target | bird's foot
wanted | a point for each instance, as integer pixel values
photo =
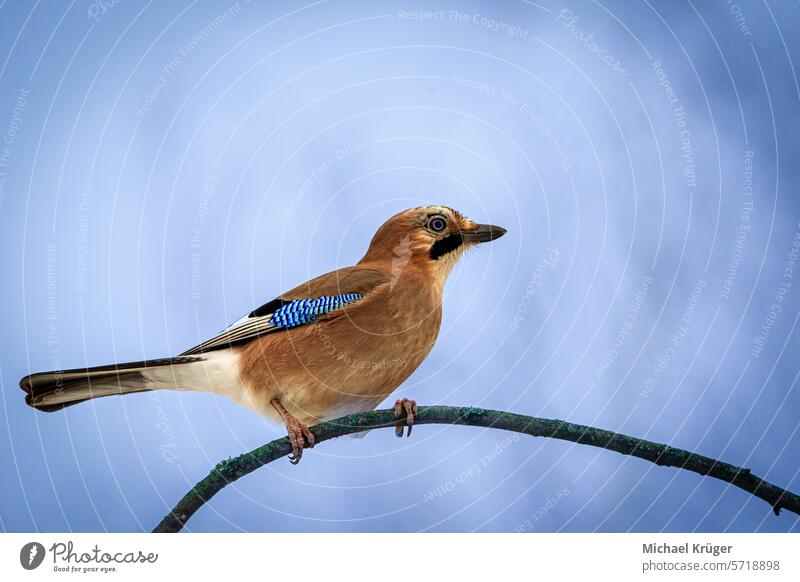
(407, 408)
(300, 437)
(298, 433)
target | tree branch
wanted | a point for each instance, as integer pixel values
(230, 470)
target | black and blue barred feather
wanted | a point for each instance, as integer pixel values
(302, 311)
(288, 315)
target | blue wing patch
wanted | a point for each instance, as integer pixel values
(291, 314)
(302, 311)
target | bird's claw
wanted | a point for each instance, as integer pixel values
(407, 408)
(299, 435)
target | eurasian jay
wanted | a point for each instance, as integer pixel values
(336, 345)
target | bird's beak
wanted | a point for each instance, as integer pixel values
(484, 233)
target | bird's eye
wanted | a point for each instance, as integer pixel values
(437, 224)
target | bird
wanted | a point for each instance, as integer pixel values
(338, 344)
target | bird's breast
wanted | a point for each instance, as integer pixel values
(344, 364)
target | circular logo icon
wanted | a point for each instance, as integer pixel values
(31, 555)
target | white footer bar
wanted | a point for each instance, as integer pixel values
(406, 557)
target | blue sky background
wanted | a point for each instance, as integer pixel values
(166, 167)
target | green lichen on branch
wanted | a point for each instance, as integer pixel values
(224, 469)
(232, 469)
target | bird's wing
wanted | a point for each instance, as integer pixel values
(318, 299)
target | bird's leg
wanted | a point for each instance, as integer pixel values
(298, 432)
(409, 409)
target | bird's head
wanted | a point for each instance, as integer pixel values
(430, 238)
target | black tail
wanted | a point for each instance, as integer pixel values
(50, 391)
